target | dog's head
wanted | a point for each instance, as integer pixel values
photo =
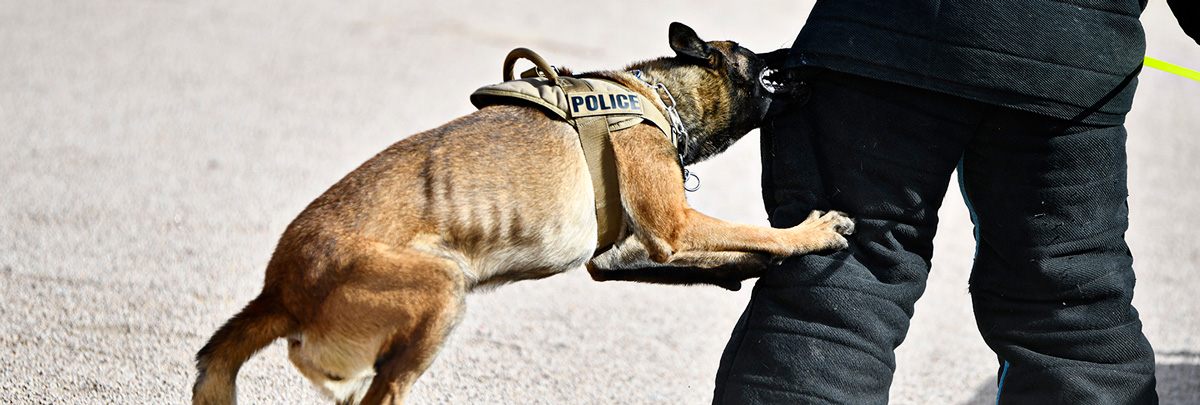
(723, 90)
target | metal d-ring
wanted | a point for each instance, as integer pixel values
(687, 174)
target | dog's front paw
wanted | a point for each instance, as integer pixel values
(825, 231)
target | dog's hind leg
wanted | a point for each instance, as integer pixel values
(408, 356)
(388, 319)
(730, 269)
(628, 260)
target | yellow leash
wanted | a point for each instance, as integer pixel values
(1172, 68)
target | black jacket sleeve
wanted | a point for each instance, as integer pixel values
(1188, 14)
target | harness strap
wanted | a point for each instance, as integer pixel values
(602, 163)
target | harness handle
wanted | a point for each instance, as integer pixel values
(525, 53)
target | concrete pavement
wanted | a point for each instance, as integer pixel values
(152, 152)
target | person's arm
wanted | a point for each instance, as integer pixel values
(1188, 14)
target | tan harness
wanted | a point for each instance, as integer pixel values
(595, 107)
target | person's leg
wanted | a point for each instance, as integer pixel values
(1053, 277)
(823, 327)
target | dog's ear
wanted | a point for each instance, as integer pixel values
(688, 45)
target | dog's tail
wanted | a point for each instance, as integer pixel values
(261, 322)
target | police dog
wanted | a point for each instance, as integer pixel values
(369, 280)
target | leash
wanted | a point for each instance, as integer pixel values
(1172, 68)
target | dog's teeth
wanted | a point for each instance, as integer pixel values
(770, 85)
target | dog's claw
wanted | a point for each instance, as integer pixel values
(845, 227)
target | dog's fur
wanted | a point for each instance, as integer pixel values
(369, 280)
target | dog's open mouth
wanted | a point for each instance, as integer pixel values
(777, 81)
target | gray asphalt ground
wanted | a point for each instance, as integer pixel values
(152, 152)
